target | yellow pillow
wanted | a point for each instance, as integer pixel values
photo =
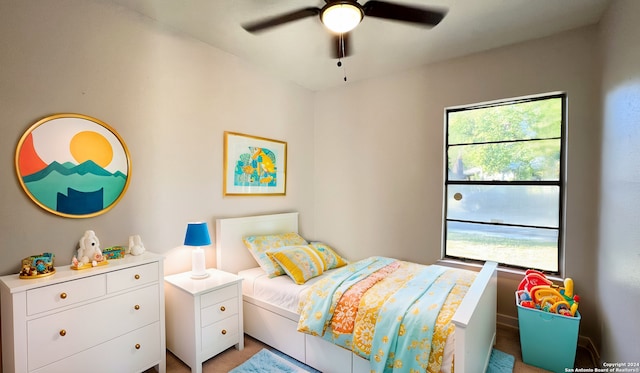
(299, 262)
(331, 258)
(258, 245)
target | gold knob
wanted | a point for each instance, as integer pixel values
(137, 277)
(63, 333)
(137, 346)
(222, 309)
(63, 295)
(224, 332)
(137, 307)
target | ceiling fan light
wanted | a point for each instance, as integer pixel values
(341, 18)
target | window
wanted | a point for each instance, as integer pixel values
(504, 182)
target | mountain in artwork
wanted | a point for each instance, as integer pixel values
(75, 189)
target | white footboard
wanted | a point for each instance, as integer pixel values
(475, 322)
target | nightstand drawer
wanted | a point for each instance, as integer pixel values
(65, 294)
(219, 295)
(132, 277)
(219, 336)
(219, 311)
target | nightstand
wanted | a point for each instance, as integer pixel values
(203, 316)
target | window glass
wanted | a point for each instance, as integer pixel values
(504, 182)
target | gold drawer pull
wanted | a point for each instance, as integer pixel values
(223, 332)
(222, 308)
(137, 346)
(63, 333)
(137, 307)
(63, 295)
(137, 276)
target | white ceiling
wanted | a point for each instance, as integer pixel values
(300, 51)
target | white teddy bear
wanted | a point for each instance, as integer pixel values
(135, 245)
(89, 251)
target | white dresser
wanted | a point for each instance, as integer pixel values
(204, 316)
(103, 319)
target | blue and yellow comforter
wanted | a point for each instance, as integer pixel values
(396, 314)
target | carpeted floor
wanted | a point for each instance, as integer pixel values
(508, 341)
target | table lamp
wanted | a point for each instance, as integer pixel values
(197, 236)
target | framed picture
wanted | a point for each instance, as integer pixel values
(254, 165)
(73, 165)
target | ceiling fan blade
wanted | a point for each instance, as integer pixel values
(405, 13)
(281, 19)
(340, 46)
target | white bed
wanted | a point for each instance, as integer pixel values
(276, 325)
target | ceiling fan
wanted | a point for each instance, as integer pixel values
(342, 16)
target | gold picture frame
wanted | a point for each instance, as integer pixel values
(73, 165)
(254, 165)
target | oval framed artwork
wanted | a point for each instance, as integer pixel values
(73, 165)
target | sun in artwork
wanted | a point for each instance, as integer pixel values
(90, 145)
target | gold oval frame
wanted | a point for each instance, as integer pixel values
(75, 121)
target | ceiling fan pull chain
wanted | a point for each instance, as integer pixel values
(344, 69)
(342, 54)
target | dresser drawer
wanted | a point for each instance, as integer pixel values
(220, 336)
(132, 277)
(65, 294)
(132, 352)
(63, 334)
(217, 296)
(219, 311)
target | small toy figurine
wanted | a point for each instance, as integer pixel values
(89, 250)
(135, 245)
(26, 270)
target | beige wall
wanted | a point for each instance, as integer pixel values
(170, 97)
(618, 253)
(379, 153)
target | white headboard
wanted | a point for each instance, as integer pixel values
(231, 253)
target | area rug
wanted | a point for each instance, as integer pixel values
(500, 362)
(265, 361)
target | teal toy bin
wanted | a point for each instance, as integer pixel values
(548, 340)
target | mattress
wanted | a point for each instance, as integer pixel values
(280, 290)
(283, 292)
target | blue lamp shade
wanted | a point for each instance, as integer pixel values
(197, 235)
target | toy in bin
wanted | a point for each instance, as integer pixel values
(536, 291)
